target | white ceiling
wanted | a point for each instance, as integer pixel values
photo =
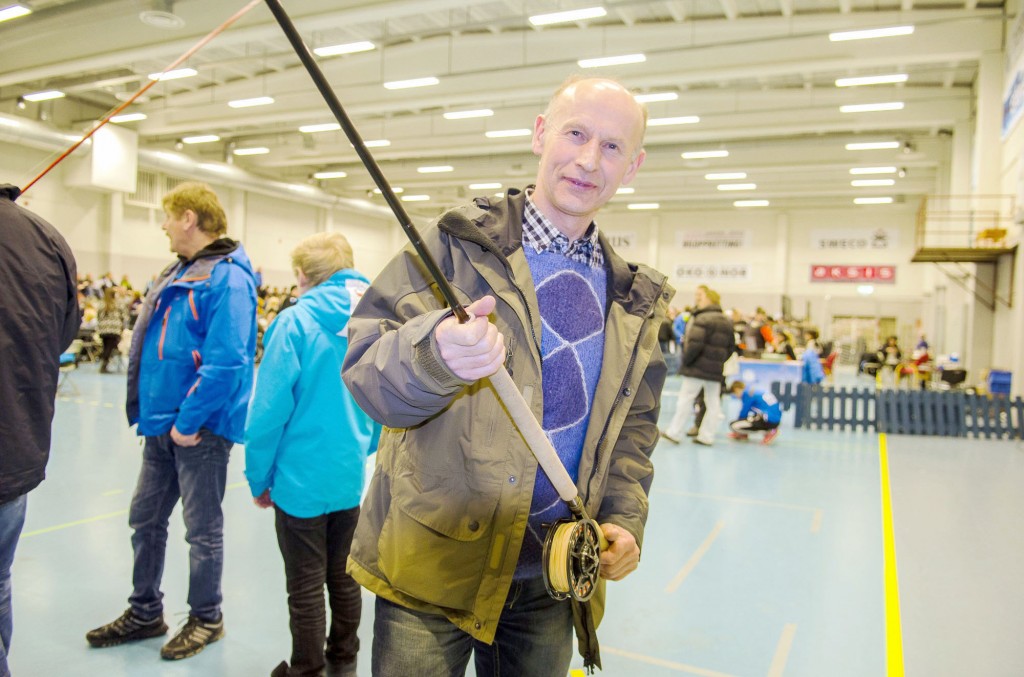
(760, 75)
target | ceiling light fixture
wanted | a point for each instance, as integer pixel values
(43, 96)
(201, 138)
(725, 176)
(873, 145)
(701, 154)
(394, 189)
(249, 103)
(251, 150)
(643, 205)
(414, 82)
(873, 170)
(347, 48)
(377, 143)
(321, 127)
(415, 198)
(872, 80)
(681, 120)
(128, 117)
(871, 107)
(737, 186)
(504, 133)
(436, 169)
(484, 186)
(175, 74)
(467, 114)
(625, 190)
(655, 97)
(565, 17)
(161, 15)
(750, 203)
(603, 61)
(13, 12)
(330, 175)
(865, 183)
(869, 33)
(872, 200)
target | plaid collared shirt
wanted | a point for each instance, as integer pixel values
(540, 234)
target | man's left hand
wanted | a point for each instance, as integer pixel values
(622, 556)
(184, 440)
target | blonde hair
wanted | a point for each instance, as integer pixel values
(321, 255)
(201, 199)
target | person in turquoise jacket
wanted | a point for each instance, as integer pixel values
(306, 442)
(811, 372)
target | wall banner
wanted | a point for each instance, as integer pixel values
(621, 240)
(861, 274)
(714, 239)
(855, 239)
(713, 272)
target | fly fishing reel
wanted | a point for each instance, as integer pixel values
(572, 558)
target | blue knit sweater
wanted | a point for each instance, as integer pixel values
(571, 296)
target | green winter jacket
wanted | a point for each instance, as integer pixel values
(446, 510)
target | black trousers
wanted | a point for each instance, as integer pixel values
(315, 550)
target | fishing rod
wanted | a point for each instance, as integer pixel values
(572, 548)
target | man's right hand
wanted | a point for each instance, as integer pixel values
(475, 349)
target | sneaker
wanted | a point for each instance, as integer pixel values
(697, 440)
(127, 628)
(742, 437)
(668, 437)
(770, 435)
(692, 432)
(192, 638)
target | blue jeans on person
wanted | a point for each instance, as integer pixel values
(534, 639)
(198, 476)
(12, 519)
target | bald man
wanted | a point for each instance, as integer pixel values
(450, 537)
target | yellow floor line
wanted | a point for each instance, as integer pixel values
(893, 629)
(694, 559)
(66, 525)
(782, 650)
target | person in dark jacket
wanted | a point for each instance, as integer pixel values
(38, 319)
(708, 344)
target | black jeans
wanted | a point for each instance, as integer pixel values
(315, 550)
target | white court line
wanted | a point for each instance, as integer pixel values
(817, 514)
(694, 559)
(782, 649)
(672, 665)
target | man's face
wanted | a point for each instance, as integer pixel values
(588, 146)
(176, 228)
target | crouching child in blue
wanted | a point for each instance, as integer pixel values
(760, 411)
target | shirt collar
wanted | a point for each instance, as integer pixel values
(542, 236)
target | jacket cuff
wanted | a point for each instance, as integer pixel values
(428, 356)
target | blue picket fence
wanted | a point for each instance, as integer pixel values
(903, 412)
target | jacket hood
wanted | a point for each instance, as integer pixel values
(219, 247)
(9, 192)
(331, 302)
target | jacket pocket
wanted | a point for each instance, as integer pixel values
(435, 541)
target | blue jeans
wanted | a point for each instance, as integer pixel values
(198, 476)
(12, 519)
(534, 638)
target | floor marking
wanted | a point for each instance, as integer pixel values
(235, 485)
(112, 492)
(679, 667)
(576, 672)
(694, 559)
(893, 629)
(778, 665)
(817, 514)
(66, 525)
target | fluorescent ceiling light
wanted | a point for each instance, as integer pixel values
(215, 167)
(750, 203)
(322, 127)
(700, 154)
(9, 123)
(249, 103)
(128, 117)
(409, 84)
(872, 80)
(611, 61)
(436, 169)
(330, 175)
(394, 189)
(656, 96)
(871, 107)
(347, 48)
(202, 138)
(376, 143)
(725, 176)
(869, 33)
(873, 170)
(864, 183)
(484, 186)
(44, 96)
(571, 15)
(643, 205)
(873, 145)
(466, 114)
(737, 186)
(625, 190)
(872, 200)
(503, 133)
(176, 74)
(865, 289)
(252, 150)
(13, 12)
(415, 198)
(682, 120)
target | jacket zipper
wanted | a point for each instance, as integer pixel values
(163, 333)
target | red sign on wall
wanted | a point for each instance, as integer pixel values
(834, 273)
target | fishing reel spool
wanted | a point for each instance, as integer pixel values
(572, 559)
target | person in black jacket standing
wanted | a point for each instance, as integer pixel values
(38, 319)
(708, 343)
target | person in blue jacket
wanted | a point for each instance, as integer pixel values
(759, 411)
(812, 371)
(190, 373)
(306, 442)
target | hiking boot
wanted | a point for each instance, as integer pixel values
(127, 628)
(770, 435)
(692, 432)
(192, 638)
